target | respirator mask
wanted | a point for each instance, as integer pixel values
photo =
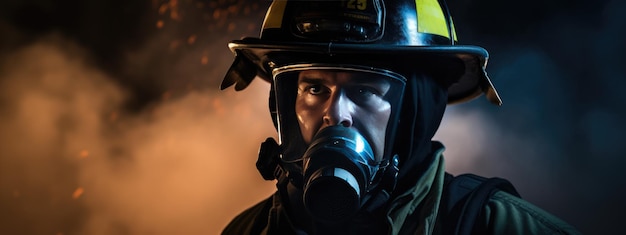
(337, 166)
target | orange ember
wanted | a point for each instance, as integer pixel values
(173, 3)
(174, 15)
(231, 27)
(83, 154)
(78, 192)
(162, 9)
(191, 39)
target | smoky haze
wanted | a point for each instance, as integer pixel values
(557, 137)
(111, 121)
(73, 162)
(82, 153)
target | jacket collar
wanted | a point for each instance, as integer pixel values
(422, 200)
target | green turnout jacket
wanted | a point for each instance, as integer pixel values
(503, 214)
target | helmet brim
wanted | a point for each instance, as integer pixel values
(471, 81)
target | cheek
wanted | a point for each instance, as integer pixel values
(383, 119)
(309, 118)
(376, 124)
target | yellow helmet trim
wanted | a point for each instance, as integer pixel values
(274, 15)
(430, 18)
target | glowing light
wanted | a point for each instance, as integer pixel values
(159, 24)
(83, 154)
(174, 15)
(192, 39)
(78, 192)
(162, 9)
(231, 27)
(359, 145)
(173, 3)
(411, 24)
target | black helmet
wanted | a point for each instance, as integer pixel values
(395, 35)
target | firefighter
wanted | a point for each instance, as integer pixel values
(358, 89)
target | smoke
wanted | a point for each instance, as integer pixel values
(114, 125)
(558, 135)
(74, 162)
(46, 121)
(191, 168)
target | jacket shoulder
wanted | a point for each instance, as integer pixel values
(508, 214)
(250, 221)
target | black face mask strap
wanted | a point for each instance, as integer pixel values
(376, 202)
(390, 174)
(272, 105)
(387, 176)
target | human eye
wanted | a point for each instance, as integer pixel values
(312, 88)
(364, 95)
(367, 87)
(368, 91)
(315, 89)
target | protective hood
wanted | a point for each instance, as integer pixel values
(423, 107)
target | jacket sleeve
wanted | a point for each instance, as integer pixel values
(507, 214)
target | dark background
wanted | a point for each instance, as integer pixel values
(556, 64)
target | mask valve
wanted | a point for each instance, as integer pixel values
(338, 168)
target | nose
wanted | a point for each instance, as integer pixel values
(339, 111)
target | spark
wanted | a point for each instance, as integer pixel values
(83, 154)
(192, 39)
(77, 193)
(162, 9)
(174, 15)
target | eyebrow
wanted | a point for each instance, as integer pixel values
(363, 80)
(369, 81)
(310, 80)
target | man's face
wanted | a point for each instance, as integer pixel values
(351, 99)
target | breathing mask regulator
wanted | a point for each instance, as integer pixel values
(338, 172)
(339, 169)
